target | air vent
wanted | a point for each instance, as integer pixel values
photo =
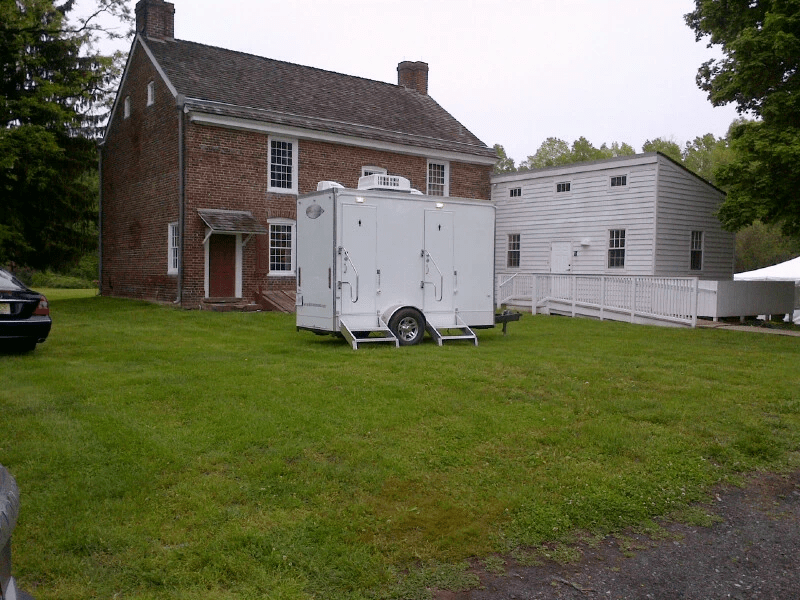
(384, 182)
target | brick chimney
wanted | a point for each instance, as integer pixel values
(413, 75)
(155, 19)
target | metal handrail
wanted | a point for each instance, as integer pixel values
(428, 258)
(346, 254)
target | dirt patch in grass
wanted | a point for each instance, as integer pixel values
(749, 550)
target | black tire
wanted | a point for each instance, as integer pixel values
(408, 325)
(27, 346)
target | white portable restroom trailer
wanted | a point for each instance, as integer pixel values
(379, 265)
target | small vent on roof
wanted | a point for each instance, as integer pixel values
(327, 185)
(378, 181)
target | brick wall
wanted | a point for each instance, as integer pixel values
(224, 169)
(140, 189)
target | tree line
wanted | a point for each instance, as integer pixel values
(57, 88)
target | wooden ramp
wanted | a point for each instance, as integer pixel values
(278, 300)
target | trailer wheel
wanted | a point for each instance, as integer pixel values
(408, 325)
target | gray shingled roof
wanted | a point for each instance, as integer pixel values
(235, 84)
(231, 221)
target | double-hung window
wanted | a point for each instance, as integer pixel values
(696, 253)
(616, 249)
(282, 165)
(173, 249)
(281, 246)
(514, 248)
(438, 178)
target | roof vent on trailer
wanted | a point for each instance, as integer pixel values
(377, 181)
(327, 185)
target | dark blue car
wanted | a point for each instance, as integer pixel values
(24, 315)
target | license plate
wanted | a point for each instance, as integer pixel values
(5, 308)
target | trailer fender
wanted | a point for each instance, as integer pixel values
(388, 313)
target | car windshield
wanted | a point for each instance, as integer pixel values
(9, 283)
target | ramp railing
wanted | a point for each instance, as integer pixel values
(665, 300)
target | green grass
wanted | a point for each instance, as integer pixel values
(162, 453)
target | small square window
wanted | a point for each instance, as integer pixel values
(514, 250)
(563, 187)
(515, 192)
(365, 171)
(151, 93)
(619, 181)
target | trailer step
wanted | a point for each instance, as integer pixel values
(465, 333)
(367, 335)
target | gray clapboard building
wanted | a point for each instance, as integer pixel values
(641, 215)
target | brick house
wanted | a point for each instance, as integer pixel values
(207, 149)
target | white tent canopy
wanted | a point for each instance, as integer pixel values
(785, 271)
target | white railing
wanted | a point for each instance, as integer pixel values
(514, 288)
(664, 300)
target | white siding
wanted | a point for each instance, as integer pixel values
(585, 214)
(686, 203)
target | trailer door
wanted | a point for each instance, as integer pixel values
(438, 274)
(358, 261)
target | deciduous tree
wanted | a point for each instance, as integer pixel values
(760, 43)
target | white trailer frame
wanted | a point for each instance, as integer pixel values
(385, 266)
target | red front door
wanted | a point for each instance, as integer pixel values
(222, 266)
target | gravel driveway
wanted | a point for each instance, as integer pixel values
(753, 551)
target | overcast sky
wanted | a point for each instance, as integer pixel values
(514, 72)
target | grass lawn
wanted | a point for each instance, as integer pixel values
(162, 453)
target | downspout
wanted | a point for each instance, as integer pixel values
(181, 99)
(100, 220)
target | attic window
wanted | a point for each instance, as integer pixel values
(126, 107)
(151, 93)
(365, 171)
(515, 192)
(619, 181)
(562, 187)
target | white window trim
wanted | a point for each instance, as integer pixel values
(293, 224)
(126, 107)
(518, 250)
(173, 261)
(624, 248)
(293, 142)
(701, 250)
(206, 248)
(561, 182)
(151, 93)
(370, 170)
(446, 164)
(617, 188)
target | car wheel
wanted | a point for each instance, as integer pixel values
(27, 346)
(408, 325)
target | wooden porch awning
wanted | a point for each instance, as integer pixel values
(231, 221)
